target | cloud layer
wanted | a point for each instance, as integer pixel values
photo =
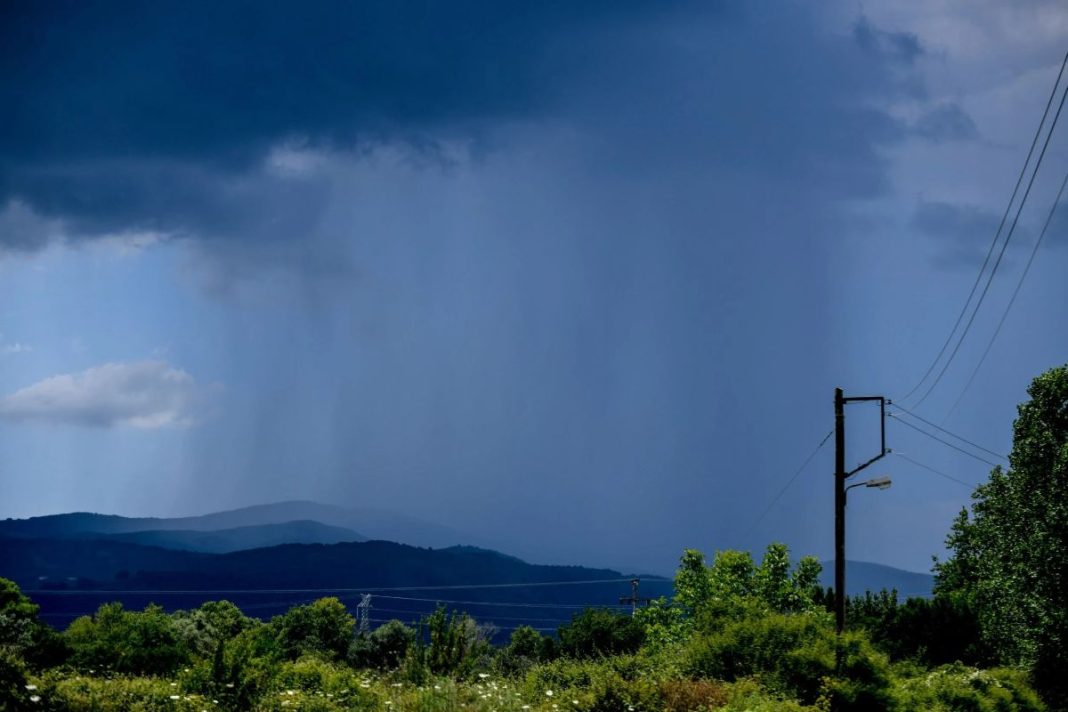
(143, 394)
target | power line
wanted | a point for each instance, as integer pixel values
(1015, 292)
(371, 589)
(789, 482)
(1001, 253)
(997, 234)
(945, 442)
(499, 627)
(487, 616)
(502, 604)
(947, 432)
(969, 485)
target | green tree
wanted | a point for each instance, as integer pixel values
(22, 634)
(384, 648)
(324, 627)
(204, 629)
(598, 632)
(1010, 553)
(141, 643)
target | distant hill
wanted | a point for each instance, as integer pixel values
(72, 577)
(116, 565)
(224, 541)
(864, 576)
(370, 523)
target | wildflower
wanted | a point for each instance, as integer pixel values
(35, 698)
(549, 693)
(31, 688)
(176, 697)
(483, 675)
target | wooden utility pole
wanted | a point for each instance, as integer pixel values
(840, 477)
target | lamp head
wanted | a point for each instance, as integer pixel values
(879, 483)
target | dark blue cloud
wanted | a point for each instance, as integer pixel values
(157, 117)
(106, 101)
(217, 80)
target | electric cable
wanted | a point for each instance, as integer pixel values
(1012, 300)
(997, 234)
(947, 432)
(944, 442)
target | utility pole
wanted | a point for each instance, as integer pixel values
(634, 599)
(840, 477)
(839, 510)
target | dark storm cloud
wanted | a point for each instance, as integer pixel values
(111, 108)
(159, 117)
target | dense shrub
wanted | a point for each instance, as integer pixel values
(384, 648)
(114, 694)
(13, 691)
(601, 685)
(795, 655)
(688, 695)
(447, 644)
(324, 627)
(596, 632)
(525, 648)
(138, 643)
(959, 688)
(23, 635)
(203, 629)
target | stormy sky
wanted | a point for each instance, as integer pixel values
(575, 278)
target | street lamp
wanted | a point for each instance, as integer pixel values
(875, 483)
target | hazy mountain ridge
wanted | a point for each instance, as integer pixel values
(864, 576)
(86, 550)
(367, 523)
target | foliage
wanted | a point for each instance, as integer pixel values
(794, 654)
(959, 687)
(597, 632)
(202, 630)
(22, 634)
(384, 648)
(143, 643)
(736, 637)
(446, 644)
(87, 693)
(525, 648)
(1010, 555)
(602, 684)
(12, 681)
(324, 627)
(687, 695)
(936, 631)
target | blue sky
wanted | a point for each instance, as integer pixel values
(578, 279)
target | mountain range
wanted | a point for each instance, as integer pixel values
(267, 558)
